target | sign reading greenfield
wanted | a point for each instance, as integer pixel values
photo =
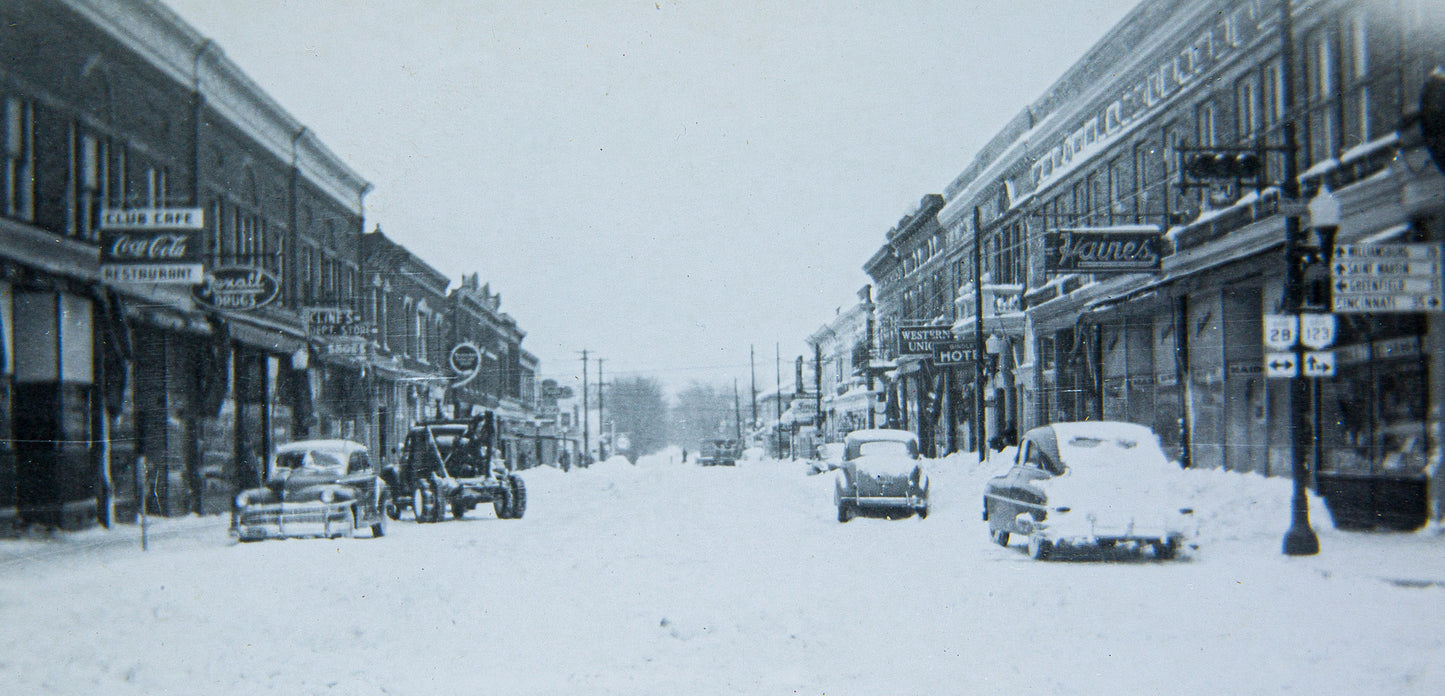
(1370, 278)
(1103, 250)
(919, 339)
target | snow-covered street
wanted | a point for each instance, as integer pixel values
(661, 578)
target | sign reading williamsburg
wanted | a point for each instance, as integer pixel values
(1103, 250)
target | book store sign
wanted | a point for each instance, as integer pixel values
(151, 245)
(240, 288)
(1104, 250)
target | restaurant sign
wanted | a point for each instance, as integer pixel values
(1104, 250)
(237, 288)
(151, 245)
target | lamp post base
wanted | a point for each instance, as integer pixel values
(1300, 540)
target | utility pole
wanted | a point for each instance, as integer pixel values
(586, 445)
(979, 428)
(818, 386)
(737, 415)
(601, 422)
(778, 386)
(753, 374)
(1300, 540)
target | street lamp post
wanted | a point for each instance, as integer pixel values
(1300, 540)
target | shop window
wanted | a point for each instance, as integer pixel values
(19, 159)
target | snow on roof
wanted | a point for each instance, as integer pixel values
(335, 445)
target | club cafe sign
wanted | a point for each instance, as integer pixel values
(237, 288)
(151, 245)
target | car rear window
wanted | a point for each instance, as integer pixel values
(884, 447)
(310, 459)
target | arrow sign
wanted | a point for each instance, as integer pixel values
(1368, 278)
(1319, 363)
(1280, 365)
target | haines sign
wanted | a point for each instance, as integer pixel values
(1104, 250)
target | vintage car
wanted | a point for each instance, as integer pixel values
(881, 475)
(719, 452)
(325, 488)
(827, 457)
(1094, 483)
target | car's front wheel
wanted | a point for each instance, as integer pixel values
(1040, 549)
(999, 536)
(1166, 550)
(845, 511)
(502, 505)
(385, 508)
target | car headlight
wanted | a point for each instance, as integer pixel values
(328, 496)
(242, 500)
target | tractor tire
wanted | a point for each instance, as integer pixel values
(519, 497)
(503, 505)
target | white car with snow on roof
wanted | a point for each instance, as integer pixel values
(1094, 483)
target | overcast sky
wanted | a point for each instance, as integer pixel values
(663, 183)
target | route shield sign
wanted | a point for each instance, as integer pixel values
(1317, 330)
(1280, 331)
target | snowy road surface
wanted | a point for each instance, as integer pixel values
(670, 579)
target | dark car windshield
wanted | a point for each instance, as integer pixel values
(311, 459)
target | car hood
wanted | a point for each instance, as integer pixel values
(886, 464)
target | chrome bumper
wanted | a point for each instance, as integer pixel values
(281, 520)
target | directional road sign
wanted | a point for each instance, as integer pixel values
(1368, 278)
(1280, 365)
(1319, 363)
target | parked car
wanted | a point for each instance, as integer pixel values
(325, 488)
(1089, 483)
(827, 457)
(881, 475)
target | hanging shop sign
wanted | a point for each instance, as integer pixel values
(919, 339)
(1104, 250)
(151, 245)
(954, 353)
(241, 288)
(465, 359)
(336, 322)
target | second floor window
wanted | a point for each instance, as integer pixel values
(19, 160)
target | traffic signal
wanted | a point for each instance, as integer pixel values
(1223, 165)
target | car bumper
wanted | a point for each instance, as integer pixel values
(911, 501)
(282, 520)
(1079, 530)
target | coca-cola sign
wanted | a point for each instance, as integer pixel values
(1104, 250)
(237, 288)
(139, 246)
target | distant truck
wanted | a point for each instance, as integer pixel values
(719, 452)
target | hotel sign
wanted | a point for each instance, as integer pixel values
(1104, 250)
(151, 245)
